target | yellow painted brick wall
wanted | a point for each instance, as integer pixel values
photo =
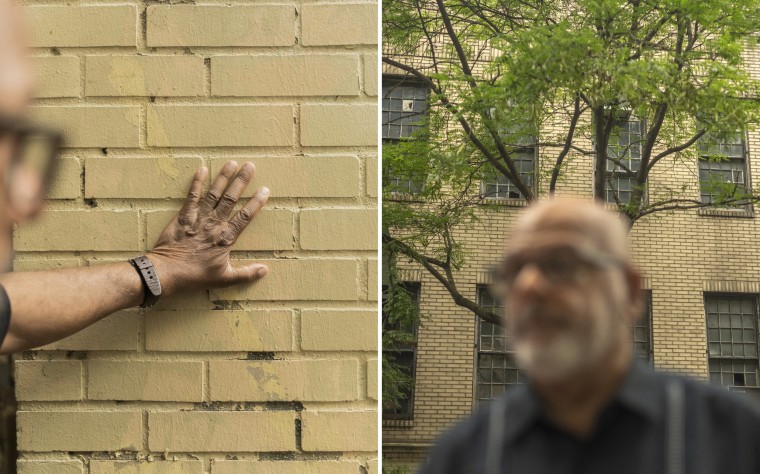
(278, 377)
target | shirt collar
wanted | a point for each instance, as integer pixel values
(640, 392)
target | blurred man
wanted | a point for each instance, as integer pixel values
(572, 295)
(192, 253)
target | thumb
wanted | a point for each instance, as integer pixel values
(248, 273)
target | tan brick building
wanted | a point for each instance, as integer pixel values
(701, 272)
(280, 376)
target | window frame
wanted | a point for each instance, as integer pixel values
(754, 299)
(521, 379)
(736, 208)
(627, 117)
(410, 186)
(408, 416)
(532, 149)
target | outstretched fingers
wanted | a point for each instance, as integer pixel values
(189, 212)
(217, 188)
(240, 221)
(235, 189)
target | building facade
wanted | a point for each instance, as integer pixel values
(701, 279)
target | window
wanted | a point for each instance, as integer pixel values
(501, 188)
(404, 355)
(624, 147)
(496, 369)
(722, 168)
(405, 109)
(732, 340)
(642, 332)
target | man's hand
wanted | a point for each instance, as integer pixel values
(193, 250)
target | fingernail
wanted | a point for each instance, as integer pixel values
(262, 272)
(265, 191)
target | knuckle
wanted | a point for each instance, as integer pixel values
(213, 194)
(183, 220)
(246, 214)
(244, 175)
(226, 238)
(229, 198)
(193, 194)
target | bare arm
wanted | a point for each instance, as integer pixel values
(192, 253)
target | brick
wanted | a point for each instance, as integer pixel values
(272, 229)
(370, 74)
(82, 26)
(79, 230)
(155, 467)
(48, 380)
(285, 75)
(162, 76)
(220, 125)
(184, 300)
(302, 279)
(339, 229)
(117, 332)
(284, 380)
(148, 178)
(216, 25)
(372, 368)
(284, 467)
(204, 331)
(372, 287)
(309, 176)
(148, 380)
(348, 430)
(57, 76)
(358, 24)
(49, 467)
(339, 125)
(44, 264)
(67, 181)
(79, 430)
(341, 330)
(371, 177)
(93, 126)
(372, 467)
(215, 431)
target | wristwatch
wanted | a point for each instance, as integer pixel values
(151, 285)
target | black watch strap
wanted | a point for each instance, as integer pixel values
(151, 285)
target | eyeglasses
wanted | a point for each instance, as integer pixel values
(558, 265)
(32, 163)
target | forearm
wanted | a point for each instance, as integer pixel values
(52, 304)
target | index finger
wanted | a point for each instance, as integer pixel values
(189, 212)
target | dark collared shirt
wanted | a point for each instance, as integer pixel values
(722, 434)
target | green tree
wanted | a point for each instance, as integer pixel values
(562, 77)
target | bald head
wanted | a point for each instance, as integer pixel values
(572, 222)
(16, 78)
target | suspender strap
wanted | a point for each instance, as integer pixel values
(675, 442)
(676, 428)
(495, 441)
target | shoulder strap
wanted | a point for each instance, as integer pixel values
(676, 429)
(495, 441)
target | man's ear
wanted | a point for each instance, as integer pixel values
(635, 294)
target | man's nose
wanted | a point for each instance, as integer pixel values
(531, 280)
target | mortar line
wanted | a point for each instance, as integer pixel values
(145, 431)
(205, 381)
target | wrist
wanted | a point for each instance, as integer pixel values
(164, 273)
